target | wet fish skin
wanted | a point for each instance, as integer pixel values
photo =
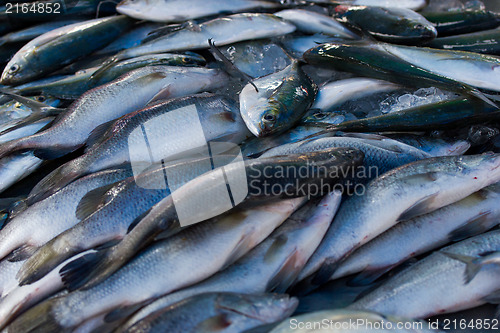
(223, 31)
(241, 311)
(8, 280)
(410, 4)
(179, 261)
(113, 100)
(162, 218)
(436, 285)
(411, 190)
(281, 256)
(280, 101)
(123, 143)
(312, 23)
(44, 220)
(462, 22)
(27, 34)
(61, 46)
(486, 42)
(389, 24)
(177, 11)
(17, 166)
(468, 217)
(435, 146)
(342, 318)
(407, 65)
(381, 154)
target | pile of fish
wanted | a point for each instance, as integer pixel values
(249, 166)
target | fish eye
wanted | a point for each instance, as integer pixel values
(269, 117)
(14, 68)
(419, 26)
(186, 61)
(41, 99)
(320, 115)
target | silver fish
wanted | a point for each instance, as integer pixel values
(17, 166)
(435, 284)
(403, 193)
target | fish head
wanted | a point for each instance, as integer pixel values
(16, 71)
(135, 8)
(485, 166)
(192, 59)
(267, 308)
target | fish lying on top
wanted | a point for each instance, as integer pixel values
(237, 312)
(176, 262)
(411, 190)
(269, 267)
(273, 103)
(320, 169)
(460, 71)
(457, 22)
(389, 24)
(128, 93)
(179, 11)
(62, 46)
(410, 4)
(435, 284)
(27, 34)
(186, 123)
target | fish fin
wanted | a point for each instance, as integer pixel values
(229, 66)
(325, 272)
(472, 267)
(286, 275)
(161, 95)
(108, 64)
(162, 31)
(39, 318)
(98, 135)
(478, 94)
(422, 206)
(92, 201)
(75, 274)
(240, 249)
(123, 311)
(493, 298)
(50, 184)
(17, 208)
(368, 276)
(477, 225)
(51, 153)
(22, 253)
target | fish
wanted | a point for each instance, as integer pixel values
(225, 30)
(474, 264)
(169, 11)
(436, 146)
(8, 281)
(410, 4)
(381, 154)
(173, 121)
(20, 111)
(21, 298)
(27, 34)
(271, 266)
(42, 221)
(449, 23)
(468, 217)
(277, 101)
(61, 46)
(486, 42)
(411, 190)
(311, 22)
(102, 104)
(236, 312)
(73, 86)
(434, 116)
(343, 320)
(436, 285)
(333, 94)
(320, 169)
(460, 71)
(176, 262)
(116, 202)
(389, 24)
(16, 167)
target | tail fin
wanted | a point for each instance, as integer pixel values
(37, 319)
(53, 182)
(39, 264)
(79, 272)
(472, 266)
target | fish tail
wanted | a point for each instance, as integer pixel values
(40, 318)
(84, 269)
(472, 266)
(10, 147)
(54, 181)
(40, 263)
